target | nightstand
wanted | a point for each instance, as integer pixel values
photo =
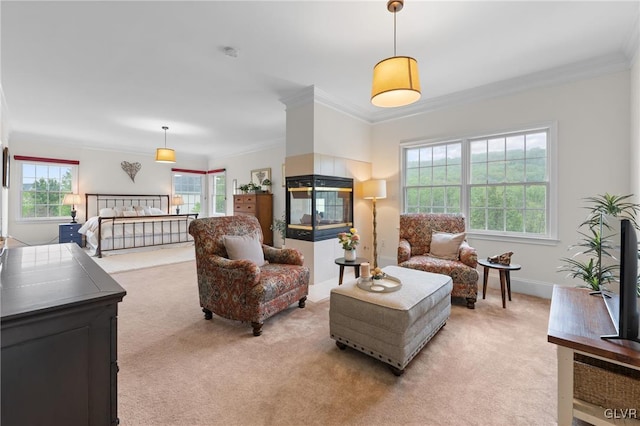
(68, 233)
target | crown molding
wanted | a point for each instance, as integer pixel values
(311, 94)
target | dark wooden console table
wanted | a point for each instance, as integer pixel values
(576, 322)
(59, 338)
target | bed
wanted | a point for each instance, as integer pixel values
(128, 221)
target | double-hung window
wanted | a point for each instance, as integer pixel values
(190, 187)
(502, 183)
(218, 185)
(43, 185)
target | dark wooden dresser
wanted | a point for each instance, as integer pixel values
(59, 338)
(260, 206)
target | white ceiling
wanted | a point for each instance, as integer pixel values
(111, 74)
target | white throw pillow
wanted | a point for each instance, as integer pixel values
(156, 211)
(244, 247)
(139, 210)
(107, 212)
(121, 209)
(127, 213)
(445, 245)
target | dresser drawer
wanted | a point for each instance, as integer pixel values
(245, 208)
(244, 199)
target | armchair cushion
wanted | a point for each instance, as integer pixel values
(445, 245)
(246, 247)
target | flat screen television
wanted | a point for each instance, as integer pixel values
(620, 295)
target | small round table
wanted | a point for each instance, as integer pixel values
(355, 263)
(505, 277)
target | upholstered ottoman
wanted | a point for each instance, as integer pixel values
(391, 327)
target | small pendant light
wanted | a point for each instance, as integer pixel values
(165, 155)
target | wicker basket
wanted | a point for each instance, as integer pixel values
(605, 384)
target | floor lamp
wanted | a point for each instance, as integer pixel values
(373, 190)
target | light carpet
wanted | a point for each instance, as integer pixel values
(129, 260)
(488, 366)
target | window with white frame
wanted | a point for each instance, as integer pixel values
(501, 183)
(190, 187)
(218, 183)
(43, 185)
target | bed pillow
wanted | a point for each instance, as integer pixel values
(244, 247)
(121, 209)
(445, 245)
(107, 212)
(127, 213)
(139, 210)
(156, 211)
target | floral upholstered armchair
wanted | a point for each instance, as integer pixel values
(415, 250)
(258, 284)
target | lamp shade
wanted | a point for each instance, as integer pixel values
(71, 199)
(176, 200)
(396, 82)
(374, 189)
(165, 155)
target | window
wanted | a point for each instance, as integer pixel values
(501, 183)
(43, 187)
(218, 192)
(189, 185)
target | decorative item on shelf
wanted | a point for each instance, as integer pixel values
(165, 155)
(349, 241)
(177, 201)
(266, 184)
(249, 187)
(502, 259)
(396, 81)
(374, 190)
(72, 200)
(280, 226)
(131, 169)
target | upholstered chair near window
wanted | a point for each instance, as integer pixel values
(240, 278)
(436, 243)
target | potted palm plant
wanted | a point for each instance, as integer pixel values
(589, 262)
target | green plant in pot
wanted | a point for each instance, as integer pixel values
(249, 187)
(266, 184)
(589, 263)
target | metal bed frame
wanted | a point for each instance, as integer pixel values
(160, 201)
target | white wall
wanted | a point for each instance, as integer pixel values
(593, 118)
(239, 168)
(99, 172)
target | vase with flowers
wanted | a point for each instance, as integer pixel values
(349, 241)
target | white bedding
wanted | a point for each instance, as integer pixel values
(129, 232)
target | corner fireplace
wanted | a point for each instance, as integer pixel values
(318, 207)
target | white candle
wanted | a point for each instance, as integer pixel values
(365, 270)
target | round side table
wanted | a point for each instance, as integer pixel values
(355, 263)
(505, 277)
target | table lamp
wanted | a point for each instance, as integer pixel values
(177, 201)
(373, 190)
(72, 200)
